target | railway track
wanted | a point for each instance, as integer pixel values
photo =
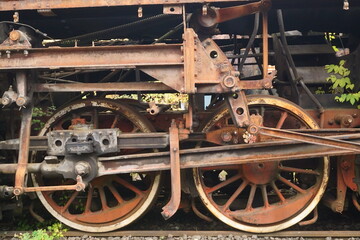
(198, 235)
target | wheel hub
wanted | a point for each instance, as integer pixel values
(260, 173)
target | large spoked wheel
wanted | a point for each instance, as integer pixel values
(267, 196)
(109, 202)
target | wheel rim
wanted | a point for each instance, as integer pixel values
(264, 197)
(109, 202)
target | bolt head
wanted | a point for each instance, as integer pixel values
(229, 81)
(5, 101)
(14, 35)
(21, 101)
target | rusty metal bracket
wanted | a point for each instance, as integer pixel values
(337, 204)
(214, 15)
(23, 150)
(172, 206)
(238, 109)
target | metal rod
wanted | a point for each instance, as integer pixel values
(250, 42)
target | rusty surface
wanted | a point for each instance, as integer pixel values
(172, 206)
(78, 186)
(265, 44)
(238, 109)
(226, 14)
(255, 196)
(218, 156)
(312, 220)
(179, 66)
(108, 202)
(94, 57)
(189, 49)
(307, 138)
(23, 156)
(347, 170)
(332, 116)
(11, 5)
(102, 87)
(336, 203)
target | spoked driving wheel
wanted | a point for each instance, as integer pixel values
(266, 196)
(109, 202)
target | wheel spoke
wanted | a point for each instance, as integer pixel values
(128, 185)
(282, 119)
(264, 196)
(277, 191)
(103, 198)
(116, 194)
(116, 120)
(70, 201)
(290, 184)
(89, 199)
(224, 183)
(251, 197)
(299, 170)
(135, 129)
(235, 195)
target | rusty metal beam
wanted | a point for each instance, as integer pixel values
(209, 156)
(12, 5)
(109, 57)
(102, 87)
(222, 155)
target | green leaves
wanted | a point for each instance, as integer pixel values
(340, 81)
(52, 232)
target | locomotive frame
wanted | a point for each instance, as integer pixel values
(197, 65)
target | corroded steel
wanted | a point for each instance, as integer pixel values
(11, 5)
(105, 205)
(172, 206)
(23, 150)
(255, 196)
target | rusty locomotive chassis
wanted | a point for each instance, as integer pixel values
(300, 144)
(177, 67)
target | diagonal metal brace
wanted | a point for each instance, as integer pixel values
(311, 139)
(172, 206)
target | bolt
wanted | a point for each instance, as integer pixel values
(79, 187)
(82, 168)
(354, 115)
(5, 101)
(229, 81)
(174, 149)
(26, 53)
(331, 122)
(339, 208)
(226, 136)
(348, 120)
(345, 164)
(14, 35)
(21, 101)
(8, 53)
(253, 129)
(18, 191)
